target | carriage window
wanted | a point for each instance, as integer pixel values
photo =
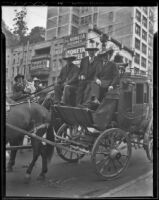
(139, 93)
(128, 101)
(146, 93)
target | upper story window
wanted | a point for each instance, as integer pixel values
(52, 23)
(75, 20)
(95, 18)
(138, 15)
(144, 21)
(151, 16)
(144, 48)
(52, 12)
(150, 28)
(110, 29)
(143, 62)
(145, 9)
(137, 58)
(144, 35)
(137, 43)
(86, 20)
(74, 30)
(137, 29)
(150, 40)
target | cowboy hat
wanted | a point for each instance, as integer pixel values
(18, 76)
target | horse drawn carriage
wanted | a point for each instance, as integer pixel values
(110, 148)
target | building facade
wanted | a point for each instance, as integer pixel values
(132, 26)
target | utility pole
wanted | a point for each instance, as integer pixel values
(26, 67)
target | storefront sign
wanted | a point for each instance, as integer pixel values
(79, 52)
(75, 40)
(40, 64)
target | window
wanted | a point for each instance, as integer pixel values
(144, 21)
(76, 10)
(86, 20)
(111, 16)
(137, 29)
(136, 70)
(52, 23)
(144, 48)
(149, 53)
(143, 62)
(52, 12)
(137, 58)
(139, 93)
(63, 10)
(145, 9)
(63, 31)
(74, 30)
(75, 19)
(85, 10)
(138, 15)
(150, 40)
(110, 29)
(146, 93)
(64, 19)
(95, 18)
(151, 17)
(137, 43)
(150, 28)
(144, 35)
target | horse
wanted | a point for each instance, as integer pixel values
(27, 115)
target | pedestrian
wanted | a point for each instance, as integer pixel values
(86, 73)
(67, 81)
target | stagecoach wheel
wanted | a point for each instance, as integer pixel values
(65, 132)
(149, 145)
(111, 153)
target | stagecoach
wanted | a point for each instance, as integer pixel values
(110, 149)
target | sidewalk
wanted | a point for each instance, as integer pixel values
(142, 186)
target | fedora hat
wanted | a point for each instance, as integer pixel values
(92, 46)
(18, 76)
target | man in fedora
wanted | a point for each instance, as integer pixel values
(67, 81)
(86, 74)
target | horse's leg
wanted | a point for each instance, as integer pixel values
(11, 161)
(44, 163)
(36, 153)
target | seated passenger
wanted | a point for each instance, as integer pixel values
(106, 78)
(86, 74)
(67, 81)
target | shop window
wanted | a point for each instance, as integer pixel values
(139, 93)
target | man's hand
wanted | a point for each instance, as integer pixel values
(110, 88)
(98, 81)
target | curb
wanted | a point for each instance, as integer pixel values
(111, 192)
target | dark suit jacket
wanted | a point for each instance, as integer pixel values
(108, 72)
(87, 69)
(68, 74)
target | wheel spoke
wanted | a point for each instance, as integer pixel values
(114, 165)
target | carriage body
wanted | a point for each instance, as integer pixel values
(133, 128)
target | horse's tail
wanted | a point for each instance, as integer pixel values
(50, 148)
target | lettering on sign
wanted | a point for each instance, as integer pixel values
(73, 40)
(79, 52)
(40, 64)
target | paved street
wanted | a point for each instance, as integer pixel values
(78, 180)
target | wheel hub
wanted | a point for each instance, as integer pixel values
(115, 154)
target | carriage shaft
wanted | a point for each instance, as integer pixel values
(18, 147)
(32, 135)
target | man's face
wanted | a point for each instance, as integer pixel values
(91, 53)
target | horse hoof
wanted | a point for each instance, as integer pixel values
(27, 178)
(41, 178)
(9, 169)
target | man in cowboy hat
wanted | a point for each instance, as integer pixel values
(86, 74)
(18, 87)
(67, 80)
